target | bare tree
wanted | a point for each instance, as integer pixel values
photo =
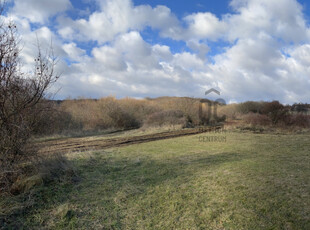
(20, 94)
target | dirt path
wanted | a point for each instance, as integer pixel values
(84, 144)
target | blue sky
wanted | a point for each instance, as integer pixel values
(247, 49)
(184, 7)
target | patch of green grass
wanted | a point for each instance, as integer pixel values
(251, 181)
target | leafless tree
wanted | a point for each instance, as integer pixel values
(20, 94)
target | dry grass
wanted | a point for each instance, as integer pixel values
(34, 176)
(251, 181)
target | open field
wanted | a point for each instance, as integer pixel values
(251, 181)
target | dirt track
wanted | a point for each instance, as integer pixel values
(83, 144)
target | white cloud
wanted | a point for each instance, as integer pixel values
(162, 53)
(200, 48)
(39, 10)
(204, 25)
(254, 67)
(109, 58)
(130, 66)
(74, 52)
(267, 54)
(257, 70)
(301, 54)
(136, 51)
(283, 19)
(188, 61)
(116, 17)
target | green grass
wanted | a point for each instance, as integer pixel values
(251, 181)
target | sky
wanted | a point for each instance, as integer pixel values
(246, 49)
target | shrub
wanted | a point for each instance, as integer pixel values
(250, 107)
(139, 109)
(231, 111)
(114, 116)
(167, 117)
(300, 108)
(85, 112)
(189, 106)
(256, 119)
(275, 111)
(221, 118)
(122, 119)
(55, 120)
(298, 120)
(21, 98)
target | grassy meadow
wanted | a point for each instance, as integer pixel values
(249, 181)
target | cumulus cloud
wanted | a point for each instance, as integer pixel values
(200, 48)
(283, 19)
(39, 10)
(130, 66)
(265, 55)
(204, 25)
(116, 17)
(261, 62)
(74, 52)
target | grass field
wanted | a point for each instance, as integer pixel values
(251, 181)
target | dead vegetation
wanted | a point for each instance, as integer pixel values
(23, 105)
(75, 117)
(109, 113)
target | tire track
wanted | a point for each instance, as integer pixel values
(82, 144)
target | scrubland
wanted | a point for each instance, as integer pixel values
(257, 177)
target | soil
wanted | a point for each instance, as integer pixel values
(85, 144)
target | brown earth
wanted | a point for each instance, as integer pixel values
(84, 144)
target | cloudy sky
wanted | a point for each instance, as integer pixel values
(247, 49)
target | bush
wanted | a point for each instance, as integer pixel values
(122, 119)
(298, 120)
(275, 111)
(85, 112)
(116, 117)
(231, 111)
(189, 106)
(256, 119)
(250, 107)
(167, 117)
(139, 109)
(55, 121)
(300, 108)
(21, 98)
(221, 118)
